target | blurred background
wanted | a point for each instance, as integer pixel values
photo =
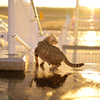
(75, 23)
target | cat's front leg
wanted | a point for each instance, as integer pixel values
(36, 59)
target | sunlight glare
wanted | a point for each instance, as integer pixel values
(55, 3)
(24, 58)
(46, 3)
(49, 93)
(85, 93)
(90, 43)
(59, 3)
(90, 3)
(91, 36)
(0, 25)
(90, 75)
(90, 39)
(91, 27)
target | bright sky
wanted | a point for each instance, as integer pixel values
(60, 3)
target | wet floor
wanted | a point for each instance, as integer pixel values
(67, 84)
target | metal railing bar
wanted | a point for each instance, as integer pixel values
(36, 17)
(17, 38)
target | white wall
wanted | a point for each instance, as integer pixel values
(26, 30)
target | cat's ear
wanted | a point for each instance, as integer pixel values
(51, 35)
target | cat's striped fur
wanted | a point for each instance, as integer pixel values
(51, 54)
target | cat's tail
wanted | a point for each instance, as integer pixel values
(72, 64)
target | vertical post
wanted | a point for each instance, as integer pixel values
(11, 28)
(92, 11)
(76, 23)
(76, 33)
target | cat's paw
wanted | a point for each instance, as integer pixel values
(51, 69)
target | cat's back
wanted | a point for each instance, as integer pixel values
(47, 48)
(50, 52)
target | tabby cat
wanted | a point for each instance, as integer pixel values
(51, 54)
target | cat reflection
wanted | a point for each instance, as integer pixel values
(52, 81)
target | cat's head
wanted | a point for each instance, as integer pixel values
(51, 39)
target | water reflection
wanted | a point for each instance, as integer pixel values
(9, 81)
(53, 80)
(12, 75)
(49, 86)
(21, 85)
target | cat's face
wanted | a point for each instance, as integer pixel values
(51, 40)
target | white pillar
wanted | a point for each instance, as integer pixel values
(11, 28)
(76, 33)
